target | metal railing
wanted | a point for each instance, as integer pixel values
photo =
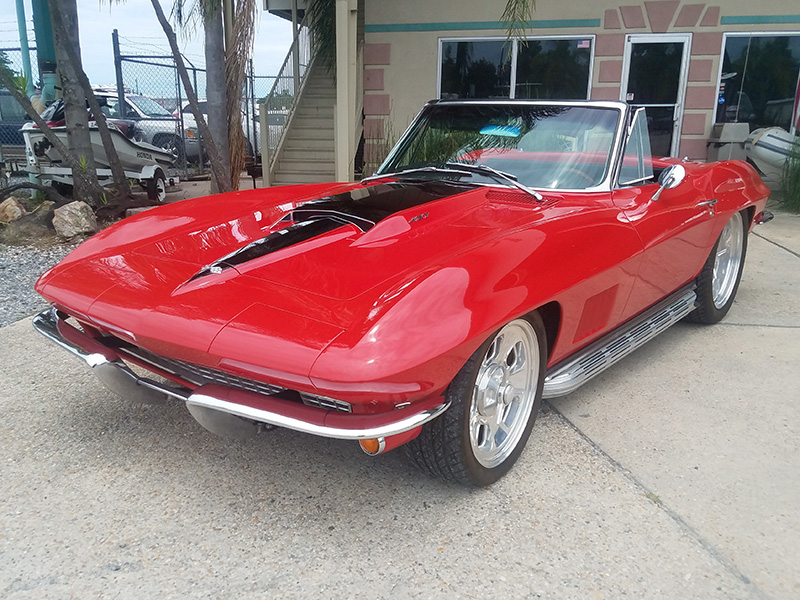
(278, 108)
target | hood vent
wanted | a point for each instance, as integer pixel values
(283, 238)
(363, 207)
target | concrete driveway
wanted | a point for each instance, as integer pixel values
(676, 474)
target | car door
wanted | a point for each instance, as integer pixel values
(675, 228)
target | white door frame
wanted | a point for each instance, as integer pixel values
(683, 77)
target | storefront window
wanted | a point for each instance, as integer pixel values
(480, 69)
(553, 69)
(759, 80)
(546, 68)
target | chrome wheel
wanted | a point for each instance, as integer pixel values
(504, 393)
(727, 261)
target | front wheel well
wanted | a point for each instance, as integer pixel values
(750, 213)
(551, 317)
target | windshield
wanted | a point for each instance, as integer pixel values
(148, 106)
(542, 146)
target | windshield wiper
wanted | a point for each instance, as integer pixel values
(426, 169)
(496, 175)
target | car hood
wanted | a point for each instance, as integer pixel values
(297, 264)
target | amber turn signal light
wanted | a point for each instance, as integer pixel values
(372, 446)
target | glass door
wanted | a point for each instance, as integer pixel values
(654, 78)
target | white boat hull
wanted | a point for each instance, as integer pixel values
(134, 156)
(768, 149)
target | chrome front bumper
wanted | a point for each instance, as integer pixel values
(109, 367)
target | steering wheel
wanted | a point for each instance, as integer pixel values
(575, 173)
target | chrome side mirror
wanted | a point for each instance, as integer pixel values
(670, 177)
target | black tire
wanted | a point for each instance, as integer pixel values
(446, 447)
(65, 189)
(172, 144)
(714, 303)
(157, 187)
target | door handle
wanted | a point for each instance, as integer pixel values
(709, 204)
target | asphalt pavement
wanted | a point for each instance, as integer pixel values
(674, 475)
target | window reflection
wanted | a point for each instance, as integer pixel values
(547, 69)
(759, 79)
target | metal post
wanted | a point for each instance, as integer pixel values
(200, 138)
(118, 70)
(185, 166)
(252, 107)
(295, 50)
(23, 46)
(263, 118)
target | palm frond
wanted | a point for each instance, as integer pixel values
(321, 19)
(517, 16)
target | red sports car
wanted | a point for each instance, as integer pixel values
(504, 252)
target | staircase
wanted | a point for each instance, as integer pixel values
(307, 152)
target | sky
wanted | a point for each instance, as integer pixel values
(141, 33)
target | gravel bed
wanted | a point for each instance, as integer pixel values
(20, 266)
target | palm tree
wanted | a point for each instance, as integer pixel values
(70, 50)
(227, 165)
(214, 156)
(74, 100)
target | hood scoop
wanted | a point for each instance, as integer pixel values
(278, 240)
(361, 207)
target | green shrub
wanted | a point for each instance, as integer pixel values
(791, 179)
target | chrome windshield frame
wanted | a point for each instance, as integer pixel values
(615, 152)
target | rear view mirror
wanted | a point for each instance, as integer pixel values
(670, 177)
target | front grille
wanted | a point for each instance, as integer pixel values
(204, 375)
(326, 403)
(208, 375)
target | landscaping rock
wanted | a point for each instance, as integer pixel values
(31, 228)
(73, 219)
(11, 209)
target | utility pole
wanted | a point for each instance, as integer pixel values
(26, 52)
(45, 49)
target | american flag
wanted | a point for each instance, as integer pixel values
(585, 44)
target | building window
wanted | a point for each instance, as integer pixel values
(541, 68)
(759, 79)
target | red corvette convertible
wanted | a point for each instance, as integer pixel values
(504, 252)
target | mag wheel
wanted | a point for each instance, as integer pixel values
(495, 399)
(172, 144)
(719, 280)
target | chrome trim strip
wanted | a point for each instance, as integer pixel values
(46, 324)
(567, 377)
(355, 433)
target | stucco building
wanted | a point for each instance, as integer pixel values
(691, 65)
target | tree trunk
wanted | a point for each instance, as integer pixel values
(216, 95)
(67, 156)
(120, 180)
(214, 156)
(236, 58)
(74, 99)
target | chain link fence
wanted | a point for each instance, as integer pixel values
(153, 80)
(150, 96)
(12, 115)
